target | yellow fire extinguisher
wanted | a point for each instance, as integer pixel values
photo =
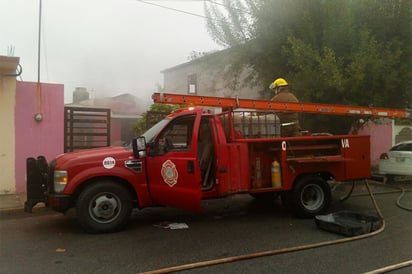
(276, 180)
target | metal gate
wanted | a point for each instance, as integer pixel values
(86, 128)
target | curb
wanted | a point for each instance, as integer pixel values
(15, 203)
(19, 211)
(12, 201)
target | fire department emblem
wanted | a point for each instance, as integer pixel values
(169, 173)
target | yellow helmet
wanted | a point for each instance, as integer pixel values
(280, 82)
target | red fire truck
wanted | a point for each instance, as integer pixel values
(194, 154)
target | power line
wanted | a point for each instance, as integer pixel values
(227, 7)
(168, 8)
(149, 2)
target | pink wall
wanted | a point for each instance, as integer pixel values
(37, 138)
(381, 138)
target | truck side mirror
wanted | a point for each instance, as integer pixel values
(139, 146)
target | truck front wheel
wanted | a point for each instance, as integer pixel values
(310, 196)
(104, 206)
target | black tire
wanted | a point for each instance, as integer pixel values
(310, 196)
(104, 206)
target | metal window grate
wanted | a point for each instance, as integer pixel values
(86, 128)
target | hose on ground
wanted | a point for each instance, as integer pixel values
(276, 251)
(398, 200)
(390, 267)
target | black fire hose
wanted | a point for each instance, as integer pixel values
(277, 251)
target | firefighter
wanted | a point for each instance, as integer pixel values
(289, 120)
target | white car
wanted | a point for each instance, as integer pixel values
(397, 161)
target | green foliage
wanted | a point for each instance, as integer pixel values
(234, 24)
(141, 125)
(340, 52)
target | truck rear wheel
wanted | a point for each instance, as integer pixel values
(104, 207)
(310, 196)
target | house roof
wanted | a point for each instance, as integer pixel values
(122, 106)
(194, 61)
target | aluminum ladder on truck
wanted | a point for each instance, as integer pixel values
(331, 109)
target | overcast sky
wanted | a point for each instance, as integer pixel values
(108, 46)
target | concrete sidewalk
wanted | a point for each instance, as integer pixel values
(12, 202)
(13, 205)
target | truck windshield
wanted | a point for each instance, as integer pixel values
(153, 131)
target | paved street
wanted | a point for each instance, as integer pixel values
(48, 242)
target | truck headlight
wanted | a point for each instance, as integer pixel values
(59, 180)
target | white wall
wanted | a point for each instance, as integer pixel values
(210, 79)
(8, 67)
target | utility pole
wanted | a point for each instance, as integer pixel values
(39, 115)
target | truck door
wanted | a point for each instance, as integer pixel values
(174, 177)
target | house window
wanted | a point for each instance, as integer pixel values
(192, 84)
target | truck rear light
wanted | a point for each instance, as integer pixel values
(384, 156)
(59, 180)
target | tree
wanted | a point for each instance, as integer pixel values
(233, 24)
(156, 113)
(347, 52)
